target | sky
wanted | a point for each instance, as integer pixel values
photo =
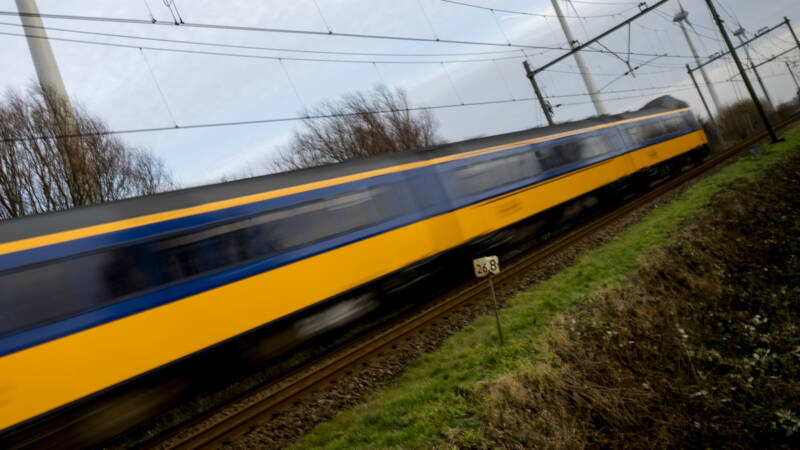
(132, 88)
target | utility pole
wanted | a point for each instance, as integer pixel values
(746, 80)
(791, 30)
(705, 105)
(794, 78)
(587, 78)
(41, 52)
(548, 110)
(740, 34)
(797, 42)
(531, 74)
(680, 17)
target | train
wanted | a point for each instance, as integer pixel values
(98, 301)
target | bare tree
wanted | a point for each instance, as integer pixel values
(53, 159)
(356, 126)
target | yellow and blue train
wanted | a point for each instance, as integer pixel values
(94, 299)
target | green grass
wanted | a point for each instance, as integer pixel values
(431, 400)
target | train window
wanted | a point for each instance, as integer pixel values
(530, 164)
(37, 295)
(691, 120)
(656, 129)
(475, 178)
(653, 130)
(512, 169)
(352, 210)
(551, 157)
(569, 152)
(674, 124)
(299, 225)
(646, 131)
(636, 133)
(499, 170)
(392, 200)
(592, 146)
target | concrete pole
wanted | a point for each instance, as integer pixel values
(587, 78)
(740, 34)
(680, 17)
(42, 54)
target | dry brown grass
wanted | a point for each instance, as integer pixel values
(699, 349)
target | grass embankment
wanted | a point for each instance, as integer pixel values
(472, 392)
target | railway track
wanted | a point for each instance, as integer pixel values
(257, 407)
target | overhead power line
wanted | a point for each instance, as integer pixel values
(267, 29)
(269, 57)
(585, 2)
(289, 58)
(661, 89)
(253, 56)
(627, 97)
(309, 32)
(256, 47)
(259, 121)
(525, 13)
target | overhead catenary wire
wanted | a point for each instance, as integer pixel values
(172, 13)
(500, 27)
(586, 2)
(257, 121)
(254, 56)
(149, 11)
(158, 86)
(300, 31)
(276, 58)
(270, 57)
(257, 47)
(526, 13)
(322, 16)
(452, 85)
(629, 97)
(662, 89)
(267, 29)
(427, 19)
(380, 75)
(505, 82)
(294, 88)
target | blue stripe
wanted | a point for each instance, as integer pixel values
(130, 235)
(31, 337)
(35, 336)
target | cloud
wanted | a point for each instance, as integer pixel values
(116, 84)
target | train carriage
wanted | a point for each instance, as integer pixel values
(95, 298)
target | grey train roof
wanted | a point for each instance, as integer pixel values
(34, 225)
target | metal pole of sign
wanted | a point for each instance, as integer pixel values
(488, 266)
(496, 313)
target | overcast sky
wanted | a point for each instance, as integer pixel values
(115, 84)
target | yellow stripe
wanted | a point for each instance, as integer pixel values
(44, 377)
(78, 233)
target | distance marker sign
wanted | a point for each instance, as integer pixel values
(486, 265)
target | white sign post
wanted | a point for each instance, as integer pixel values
(488, 266)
